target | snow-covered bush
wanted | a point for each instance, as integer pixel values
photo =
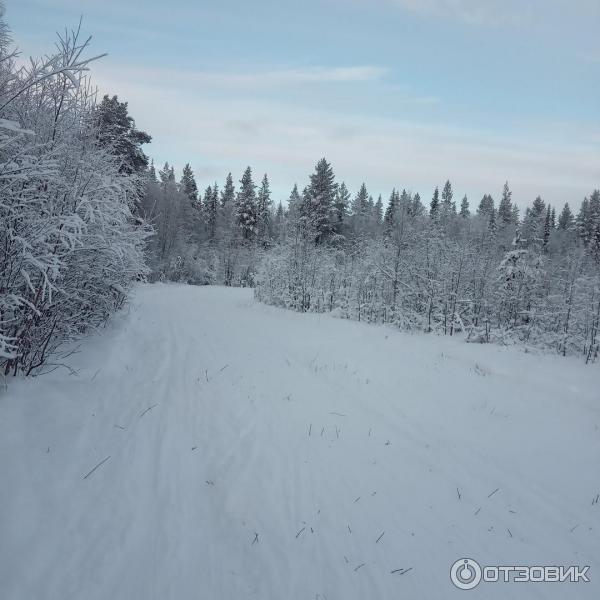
(70, 244)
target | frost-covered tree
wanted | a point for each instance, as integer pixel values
(263, 213)
(116, 131)
(318, 201)
(465, 212)
(434, 205)
(245, 206)
(70, 244)
(188, 183)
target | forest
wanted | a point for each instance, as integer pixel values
(84, 214)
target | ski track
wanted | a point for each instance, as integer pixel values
(241, 440)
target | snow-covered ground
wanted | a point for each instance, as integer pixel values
(251, 452)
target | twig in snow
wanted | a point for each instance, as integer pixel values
(209, 482)
(458, 492)
(377, 540)
(309, 430)
(574, 528)
(401, 571)
(359, 566)
(194, 448)
(509, 532)
(322, 430)
(148, 409)
(223, 368)
(119, 427)
(255, 540)
(206, 375)
(357, 500)
(346, 559)
(477, 511)
(300, 532)
(350, 530)
(96, 373)
(98, 465)
(337, 414)
(490, 495)
(337, 432)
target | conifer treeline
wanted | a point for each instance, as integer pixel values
(438, 266)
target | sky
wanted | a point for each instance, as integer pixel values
(395, 93)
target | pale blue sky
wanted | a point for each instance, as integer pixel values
(403, 93)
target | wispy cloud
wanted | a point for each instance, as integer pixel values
(223, 132)
(501, 12)
(256, 78)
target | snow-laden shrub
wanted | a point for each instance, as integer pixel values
(70, 244)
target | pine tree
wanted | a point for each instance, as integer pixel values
(188, 183)
(245, 206)
(465, 213)
(116, 130)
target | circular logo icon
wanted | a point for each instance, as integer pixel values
(465, 573)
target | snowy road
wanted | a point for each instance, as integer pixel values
(257, 453)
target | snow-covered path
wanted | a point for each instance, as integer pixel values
(258, 453)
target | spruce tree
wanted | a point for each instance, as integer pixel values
(228, 193)
(378, 214)
(245, 206)
(211, 196)
(448, 206)
(566, 219)
(320, 196)
(434, 206)
(188, 183)
(360, 210)
(389, 219)
(340, 208)
(505, 212)
(465, 213)
(418, 209)
(294, 204)
(263, 212)
(167, 174)
(486, 207)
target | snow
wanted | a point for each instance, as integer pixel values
(259, 453)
